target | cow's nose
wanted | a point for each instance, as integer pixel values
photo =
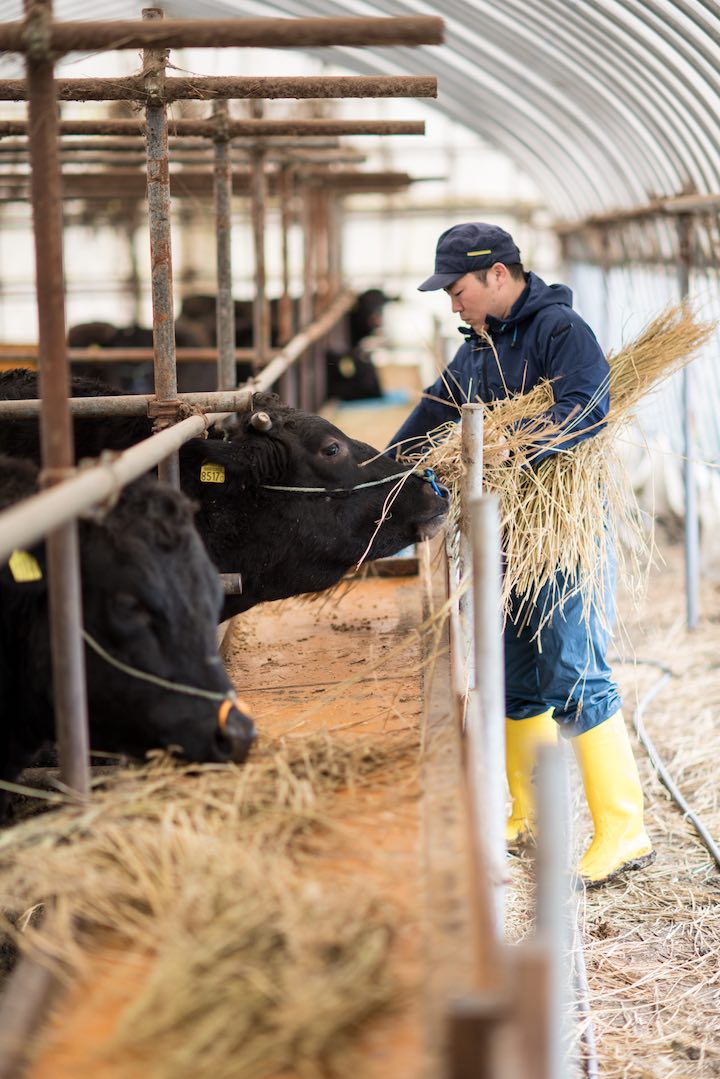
(428, 474)
(235, 733)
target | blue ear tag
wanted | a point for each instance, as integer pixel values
(429, 476)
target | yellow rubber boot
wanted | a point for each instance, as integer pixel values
(614, 797)
(523, 737)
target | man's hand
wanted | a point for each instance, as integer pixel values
(496, 452)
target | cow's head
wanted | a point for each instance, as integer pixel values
(151, 600)
(293, 503)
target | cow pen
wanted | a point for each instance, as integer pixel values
(53, 512)
(496, 986)
(475, 1021)
(38, 38)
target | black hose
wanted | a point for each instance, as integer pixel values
(657, 762)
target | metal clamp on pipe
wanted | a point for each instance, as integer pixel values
(164, 413)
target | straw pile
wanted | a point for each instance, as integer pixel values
(556, 517)
(258, 964)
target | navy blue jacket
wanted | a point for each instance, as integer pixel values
(542, 338)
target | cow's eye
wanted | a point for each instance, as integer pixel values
(331, 450)
(128, 606)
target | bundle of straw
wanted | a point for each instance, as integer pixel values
(259, 960)
(557, 517)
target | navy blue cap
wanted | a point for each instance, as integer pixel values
(464, 248)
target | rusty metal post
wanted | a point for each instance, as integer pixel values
(285, 190)
(225, 310)
(306, 299)
(261, 319)
(287, 327)
(320, 238)
(158, 194)
(55, 422)
(334, 246)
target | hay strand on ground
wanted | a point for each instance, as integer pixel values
(256, 965)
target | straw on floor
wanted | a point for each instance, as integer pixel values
(258, 962)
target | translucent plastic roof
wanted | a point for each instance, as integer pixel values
(604, 103)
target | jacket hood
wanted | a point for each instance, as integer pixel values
(533, 298)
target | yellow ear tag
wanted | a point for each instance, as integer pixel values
(24, 567)
(212, 473)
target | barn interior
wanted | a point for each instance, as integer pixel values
(200, 203)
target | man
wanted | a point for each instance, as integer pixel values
(562, 681)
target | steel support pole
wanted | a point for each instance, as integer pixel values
(55, 422)
(287, 327)
(307, 300)
(471, 448)
(692, 529)
(322, 296)
(486, 724)
(158, 194)
(261, 313)
(554, 905)
(225, 308)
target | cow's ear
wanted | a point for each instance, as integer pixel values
(249, 461)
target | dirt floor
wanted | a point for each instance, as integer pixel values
(651, 942)
(332, 666)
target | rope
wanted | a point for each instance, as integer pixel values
(427, 474)
(143, 676)
(334, 490)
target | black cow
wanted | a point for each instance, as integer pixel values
(282, 542)
(351, 373)
(150, 601)
(136, 376)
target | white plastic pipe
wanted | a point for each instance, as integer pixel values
(490, 686)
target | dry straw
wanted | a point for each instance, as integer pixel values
(558, 515)
(258, 963)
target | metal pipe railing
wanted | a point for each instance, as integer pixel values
(236, 128)
(61, 37)
(161, 280)
(56, 435)
(26, 523)
(225, 312)
(222, 87)
(133, 405)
